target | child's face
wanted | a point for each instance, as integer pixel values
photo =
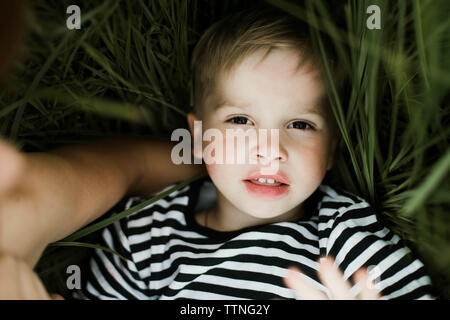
(272, 94)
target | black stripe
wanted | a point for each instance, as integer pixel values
(235, 275)
(375, 259)
(403, 263)
(365, 243)
(111, 281)
(335, 204)
(167, 222)
(352, 214)
(347, 194)
(135, 276)
(236, 245)
(275, 229)
(349, 232)
(224, 290)
(155, 207)
(92, 279)
(416, 293)
(212, 261)
(117, 244)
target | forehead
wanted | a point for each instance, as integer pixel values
(278, 80)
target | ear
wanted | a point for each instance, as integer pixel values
(191, 117)
(196, 136)
(334, 143)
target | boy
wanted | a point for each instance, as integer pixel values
(235, 234)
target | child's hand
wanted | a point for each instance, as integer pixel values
(11, 164)
(19, 282)
(332, 278)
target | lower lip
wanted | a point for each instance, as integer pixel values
(266, 191)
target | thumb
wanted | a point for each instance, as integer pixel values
(12, 163)
(55, 296)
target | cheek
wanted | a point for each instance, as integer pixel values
(211, 168)
(313, 157)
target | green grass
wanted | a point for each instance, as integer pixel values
(126, 72)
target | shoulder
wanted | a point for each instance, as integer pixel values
(348, 225)
(351, 232)
(177, 196)
(337, 205)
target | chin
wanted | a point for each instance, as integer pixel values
(264, 213)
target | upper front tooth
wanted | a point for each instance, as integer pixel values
(262, 180)
(270, 181)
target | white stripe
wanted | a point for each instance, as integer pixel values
(328, 190)
(162, 283)
(141, 222)
(300, 229)
(118, 262)
(409, 269)
(427, 297)
(228, 253)
(163, 203)
(122, 237)
(356, 238)
(118, 277)
(90, 288)
(157, 216)
(161, 248)
(327, 212)
(250, 267)
(166, 231)
(103, 282)
(337, 231)
(342, 211)
(388, 262)
(132, 200)
(139, 256)
(424, 280)
(364, 256)
(256, 235)
(333, 194)
(173, 194)
(236, 283)
(172, 214)
(253, 235)
(232, 265)
(200, 295)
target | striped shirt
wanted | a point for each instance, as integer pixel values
(170, 256)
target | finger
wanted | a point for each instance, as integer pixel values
(18, 281)
(8, 278)
(55, 296)
(303, 290)
(31, 286)
(11, 165)
(367, 285)
(333, 279)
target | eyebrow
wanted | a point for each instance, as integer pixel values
(317, 110)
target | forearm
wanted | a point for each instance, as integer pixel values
(59, 192)
(66, 188)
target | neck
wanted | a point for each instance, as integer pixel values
(224, 216)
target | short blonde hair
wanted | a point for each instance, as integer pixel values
(227, 42)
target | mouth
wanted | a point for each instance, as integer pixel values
(267, 186)
(266, 182)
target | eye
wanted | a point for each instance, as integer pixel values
(239, 120)
(300, 125)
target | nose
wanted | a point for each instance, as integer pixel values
(268, 155)
(269, 151)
